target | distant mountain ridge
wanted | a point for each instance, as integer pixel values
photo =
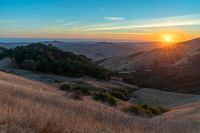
(100, 50)
(96, 50)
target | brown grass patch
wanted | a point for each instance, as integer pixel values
(32, 107)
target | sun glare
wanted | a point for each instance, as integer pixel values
(168, 38)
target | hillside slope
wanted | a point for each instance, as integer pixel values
(166, 56)
(100, 50)
(29, 106)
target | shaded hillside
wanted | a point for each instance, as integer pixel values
(49, 59)
(180, 78)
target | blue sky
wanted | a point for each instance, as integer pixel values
(98, 19)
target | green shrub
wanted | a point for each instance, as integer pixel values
(118, 94)
(154, 110)
(145, 110)
(134, 109)
(105, 97)
(121, 93)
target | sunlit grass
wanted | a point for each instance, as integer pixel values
(28, 107)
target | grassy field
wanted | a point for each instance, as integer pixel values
(33, 107)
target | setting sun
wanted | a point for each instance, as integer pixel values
(168, 38)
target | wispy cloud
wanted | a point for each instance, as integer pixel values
(114, 18)
(187, 20)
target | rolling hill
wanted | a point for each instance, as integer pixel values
(100, 50)
(172, 68)
(30, 106)
(167, 56)
(95, 50)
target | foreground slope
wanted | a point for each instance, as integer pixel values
(29, 106)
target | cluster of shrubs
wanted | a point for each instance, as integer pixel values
(145, 110)
(77, 91)
(121, 93)
(105, 97)
(110, 97)
(50, 59)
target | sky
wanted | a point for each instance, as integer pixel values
(133, 20)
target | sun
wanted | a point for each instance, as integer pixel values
(168, 38)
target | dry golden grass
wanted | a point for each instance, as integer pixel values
(32, 107)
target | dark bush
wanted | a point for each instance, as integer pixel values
(105, 97)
